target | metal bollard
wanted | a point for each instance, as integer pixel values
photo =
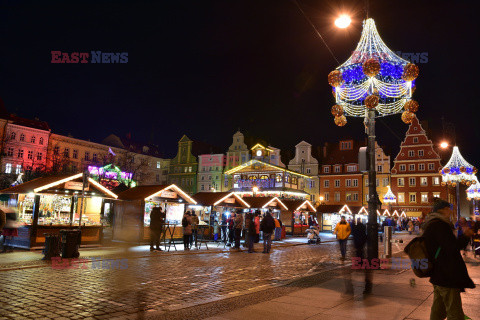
(388, 242)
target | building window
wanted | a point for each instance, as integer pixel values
(185, 169)
(157, 177)
(94, 157)
(337, 183)
(420, 153)
(355, 197)
(436, 181)
(309, 170)
(66, 153)
(22, 137)
(202, 187)
(13, 136)
(413, 197)
(348, 196)
(379, 168)
(421, 166)
(436, 194)
(351, 168)
(56, 150)
(411, 181)
(39, 156)
(20, 153)
(189, 169)
(8, 168)
(10, 152)
(431, 166)
(75, 154)
(87, 156)
(18, 169)
(348, 183)
(40, 141)
(345, 145)
(401, 182)
(424, 197)
(415, 140)
(158, 164)
(411, 167)
(366, 197)
(337, 196)
(337, 169)
(385, 182)
(401, 197)
(32, 139)
(326, 169)
(327, 196)
(366, 182)
(326, 183)
(411, 153)
(377, 183)
(30, 155)
(402, 167)
(355, 182)
(423, 181)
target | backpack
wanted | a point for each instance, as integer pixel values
(422, 264)
(184, 222)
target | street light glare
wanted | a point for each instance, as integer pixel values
(343, 21)
(444, 145)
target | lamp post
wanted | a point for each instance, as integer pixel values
(458, 171)
(373, 82)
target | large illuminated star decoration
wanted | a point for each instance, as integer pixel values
(458, 170)
(374, 77)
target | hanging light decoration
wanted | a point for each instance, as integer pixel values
(458, 170)
(340, 121)
(473, 192)
(408, 117)
(374, 77)
(337, 110)
(389, 197)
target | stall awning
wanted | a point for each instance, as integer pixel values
(265, 203)
(332, 208)
(162, 192)
(299, 205)
(61, 184)
(222, 199)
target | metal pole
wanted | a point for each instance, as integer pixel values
(372, 225)
(458, 201)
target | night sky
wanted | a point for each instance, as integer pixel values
(206, 68)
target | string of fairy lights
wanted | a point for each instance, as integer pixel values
(373, 77)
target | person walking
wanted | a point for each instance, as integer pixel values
(224, 227)
(410, 226)
(342, 231)
(278, 230)
(251, 231)
(238, 226)
(449, 276)
(257, 226)
(187, 230)
(195, 222)
(267, 226)
(359, 234)
(156, 228)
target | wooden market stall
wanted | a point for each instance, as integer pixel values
(331, 214)
(50, 204)
(265, 203)
(132, 212)
(295, 219)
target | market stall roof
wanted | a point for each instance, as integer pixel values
(164, 192)
(265, 203)
(223, 199)
(296, 205)
(333, 208)
(61, 184)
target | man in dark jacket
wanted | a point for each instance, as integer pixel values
(449, 276)
(267, 226)
(157, 220)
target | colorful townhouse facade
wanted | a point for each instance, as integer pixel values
(306, 164)
(238, 152)
(382, 168)
(210, 172)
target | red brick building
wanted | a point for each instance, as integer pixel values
(415, 178)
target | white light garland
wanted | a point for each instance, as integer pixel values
(389, 197)
(473, 192)
(458, 170)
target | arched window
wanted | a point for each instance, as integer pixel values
(40, 141)
(22, 137)
(13, 136)
(264, 177)
(32, 139)
(279, 178)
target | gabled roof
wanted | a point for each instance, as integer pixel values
(265, 202)
(329, 208)
(53, 184)
(218, 199)
(149, 191)
(31, 123)
(296, 205)
(336, 156)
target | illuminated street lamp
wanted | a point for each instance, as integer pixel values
(444, 145)
(343, 21)
(458, 171)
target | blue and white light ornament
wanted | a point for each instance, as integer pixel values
(389, 197)
(458, 170)
(473, 192)
(374, 77)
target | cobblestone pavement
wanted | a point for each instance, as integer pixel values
(158, 283)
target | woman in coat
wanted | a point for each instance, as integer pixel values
(187, 230)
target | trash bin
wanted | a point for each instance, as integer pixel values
(70, 243)
(52, 246)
